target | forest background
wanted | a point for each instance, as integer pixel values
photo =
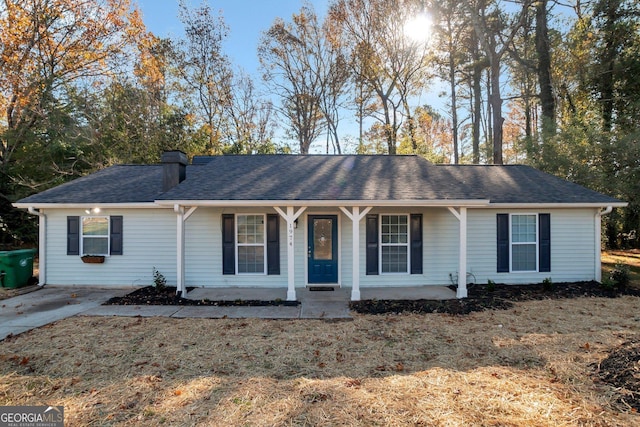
(553, 84)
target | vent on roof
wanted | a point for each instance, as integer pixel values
(174, 169)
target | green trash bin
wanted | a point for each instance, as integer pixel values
(16, 267)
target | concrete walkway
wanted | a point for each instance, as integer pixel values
(52, 303)
(49, 304)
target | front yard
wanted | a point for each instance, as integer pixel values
(535, 364)
(539, 363)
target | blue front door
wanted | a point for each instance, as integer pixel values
(323, 249)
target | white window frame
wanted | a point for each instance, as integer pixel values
(107, 236)
(512, 243)
(263, 244)
(407, 245)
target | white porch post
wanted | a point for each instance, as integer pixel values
(462, 259)
(290, 217)
(179, 210)
(355, 218)
(181, 217)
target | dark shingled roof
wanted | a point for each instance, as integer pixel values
(317, 177)
(115, 184)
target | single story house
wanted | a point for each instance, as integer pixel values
(293, 221)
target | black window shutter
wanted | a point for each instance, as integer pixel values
(228, 244)
(544, 247)
(273, 244)
(372, 244)
(116, 235)
(73, 235)
(416, 243)
(503, 242)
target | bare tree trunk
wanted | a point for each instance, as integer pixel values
(411, 125)
(489, 118)
(389, 127)
(547, 101)
(360, 121)
(496, 106)
(477, 101)
(454, 107)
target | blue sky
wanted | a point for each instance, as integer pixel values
(247, 19)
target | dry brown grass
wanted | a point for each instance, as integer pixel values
(629, 257)
(531, 365)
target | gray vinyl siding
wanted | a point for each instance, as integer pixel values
(203, 252)
(149, 241)
(440, 231)
(573, 251)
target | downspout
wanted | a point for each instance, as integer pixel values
(598, 242)
(42, 244)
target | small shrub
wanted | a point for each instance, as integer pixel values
(159, 281)
(620, 275)
(491, 285)
(607, 284)
(547, 284)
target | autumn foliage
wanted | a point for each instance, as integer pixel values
(48, 43)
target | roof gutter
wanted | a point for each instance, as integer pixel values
(42, 244)
(141, 205)
(559, 205)
(323, 203)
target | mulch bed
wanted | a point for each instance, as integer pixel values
(621, 369)
(150, 295)
(482, 297)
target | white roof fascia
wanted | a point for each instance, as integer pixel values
(555, 205)
(169, 204)
(324, 203)
(141, 205)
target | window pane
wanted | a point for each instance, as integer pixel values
(95, 246)
(251, 259)
(250, 229)
(524, 258)
(394, 259)
(322, 239)
(95, 226)
(523, 228)
(394, 229)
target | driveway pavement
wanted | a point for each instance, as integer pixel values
(48, 304)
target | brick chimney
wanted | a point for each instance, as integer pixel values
(174, 169)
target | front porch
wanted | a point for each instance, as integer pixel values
(321, 304)
(349, 244)
(338, 294)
